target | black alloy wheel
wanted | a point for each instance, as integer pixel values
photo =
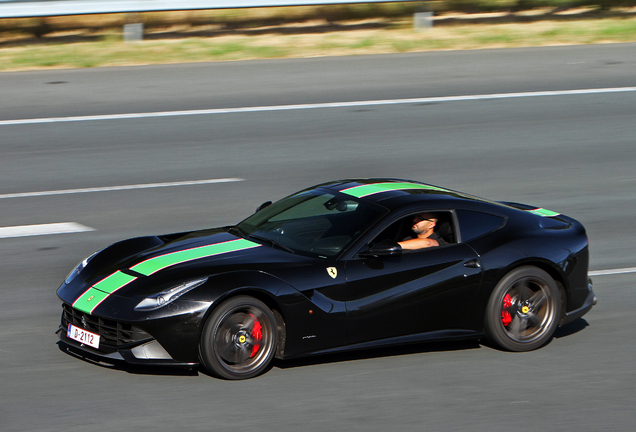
(239, 339)
(523, 311)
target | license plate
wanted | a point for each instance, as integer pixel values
(83, 336)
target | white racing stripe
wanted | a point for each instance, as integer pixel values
(120, 188)
(43, 229)
(314, 106)
(612, 271)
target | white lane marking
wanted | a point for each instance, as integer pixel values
(314, 106)
(119, 188)
(43, 229)
(612, 271)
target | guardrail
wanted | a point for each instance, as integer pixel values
(29, 9)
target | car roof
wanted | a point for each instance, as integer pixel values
(397, 193)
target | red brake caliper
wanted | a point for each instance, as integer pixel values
(257, 336)
(505, 314)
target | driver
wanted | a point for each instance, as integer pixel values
(423, 227)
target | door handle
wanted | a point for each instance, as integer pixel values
(472, 264)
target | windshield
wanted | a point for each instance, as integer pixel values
(313, 222)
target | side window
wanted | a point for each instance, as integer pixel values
(401, 229)
(475, 224)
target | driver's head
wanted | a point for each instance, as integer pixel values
(422, 222)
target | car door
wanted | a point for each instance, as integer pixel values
(318, 322)
(412, 293)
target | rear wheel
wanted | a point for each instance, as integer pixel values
(523, 311)
(239, 339)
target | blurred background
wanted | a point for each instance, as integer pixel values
(51, 34)
(116, 125)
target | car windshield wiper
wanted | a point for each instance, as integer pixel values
(272, 243)
(237, 231)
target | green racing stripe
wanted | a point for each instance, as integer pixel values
(99, 292)
(96, 294)
(113, 282)
(155, 264)
(543, 212)
(88, 301)
(370, 189)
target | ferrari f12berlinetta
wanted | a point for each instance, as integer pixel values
(322, 271)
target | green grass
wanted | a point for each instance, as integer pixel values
(364, 43)
(621, 29)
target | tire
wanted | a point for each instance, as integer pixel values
(239, 339)
(523, 310)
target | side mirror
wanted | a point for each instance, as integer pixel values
(383, 248)
(262, 206)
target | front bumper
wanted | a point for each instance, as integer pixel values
(149, 352)
(168, 340)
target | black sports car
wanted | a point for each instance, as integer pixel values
(322, 271)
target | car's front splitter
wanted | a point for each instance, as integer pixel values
(149, 352)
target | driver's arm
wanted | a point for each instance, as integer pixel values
(418, 243)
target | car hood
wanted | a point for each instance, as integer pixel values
(145, 265)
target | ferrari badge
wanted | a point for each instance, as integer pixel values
(333, 272)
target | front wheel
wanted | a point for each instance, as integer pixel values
(239, 339)
(523, 311)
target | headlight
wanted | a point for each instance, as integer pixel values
(79, 267)
(163, 298)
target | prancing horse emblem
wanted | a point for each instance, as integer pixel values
(333, 272)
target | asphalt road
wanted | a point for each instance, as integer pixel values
(572, 153)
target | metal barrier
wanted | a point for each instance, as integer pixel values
(30, 8)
